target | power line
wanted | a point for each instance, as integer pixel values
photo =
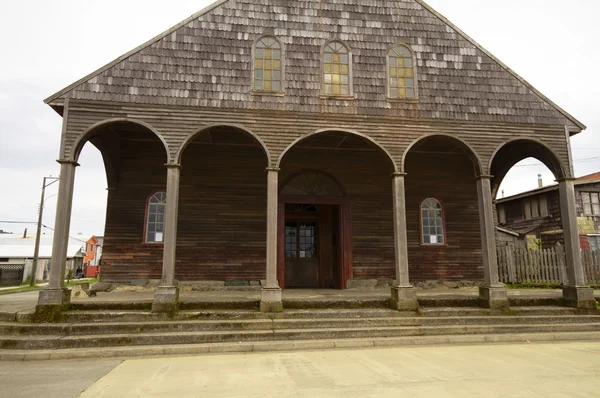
(17, 222)
(52, 229)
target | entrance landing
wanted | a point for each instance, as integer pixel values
(292, 298)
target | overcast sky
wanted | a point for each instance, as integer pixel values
(49, 44)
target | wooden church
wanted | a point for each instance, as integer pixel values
(309, 144)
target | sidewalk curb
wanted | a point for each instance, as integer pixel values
(277, 346)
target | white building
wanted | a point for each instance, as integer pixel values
(18, 250)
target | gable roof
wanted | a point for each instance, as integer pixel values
(56, 100)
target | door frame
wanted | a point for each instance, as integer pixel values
(344, 225)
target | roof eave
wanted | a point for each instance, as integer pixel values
(578, 126)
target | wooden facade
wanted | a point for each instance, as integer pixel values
(188, 99)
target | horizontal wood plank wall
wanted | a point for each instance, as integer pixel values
(222, 213)
(365, 176)
(449, 178)
(279, 130)
(142, 172)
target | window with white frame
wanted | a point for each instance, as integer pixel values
(594, 241)
(432, 222)
(591, 203)
(155, 218)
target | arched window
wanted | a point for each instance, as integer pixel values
(336, 69)
(312, 183)
(432, 222)
(401, 73)
(155, 218)
(267, 65)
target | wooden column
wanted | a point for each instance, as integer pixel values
(575, 293)
(492, 294)
(271, 293)
(55, 293)
(167, 294)
(404, 296)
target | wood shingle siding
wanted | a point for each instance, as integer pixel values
(206, 62)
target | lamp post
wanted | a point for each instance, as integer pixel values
(36, 251)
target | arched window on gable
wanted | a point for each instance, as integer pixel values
(432, 222)
(267, 65)
(401, 73)
(155, 217)
(336, 69)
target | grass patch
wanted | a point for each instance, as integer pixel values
(25, 286)
(20, 289)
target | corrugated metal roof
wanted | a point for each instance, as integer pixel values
(15, 246)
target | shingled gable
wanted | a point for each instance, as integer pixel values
(206, 61)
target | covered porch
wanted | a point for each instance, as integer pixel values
(332, 216)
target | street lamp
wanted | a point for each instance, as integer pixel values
(36, 251)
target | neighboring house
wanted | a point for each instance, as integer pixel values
(18, 249)
(93, 254)
(535, 215)
(321, 144)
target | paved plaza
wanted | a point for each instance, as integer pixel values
(507, 370)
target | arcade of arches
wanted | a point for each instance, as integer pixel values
(333, 214)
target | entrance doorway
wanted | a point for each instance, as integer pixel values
(314, 242)
(301, 253)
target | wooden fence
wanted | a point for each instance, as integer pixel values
(519, 265)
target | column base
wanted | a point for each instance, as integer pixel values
(51, 305)
(270, 300)
(493, 297)
(578, 297)
(166, 299)
(404, 298)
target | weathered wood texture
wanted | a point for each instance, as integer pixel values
(206, 62)
(365, 176)
(519, 265)
(449, 178)
(279, 130)
(142, 173)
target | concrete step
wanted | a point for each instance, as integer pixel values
(512, 311)
(288, 345)
(160, 326)
(53, 341)
(138, 316)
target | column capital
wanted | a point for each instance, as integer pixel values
(275, 169)
(67, 161)
(398, 174)
(565, 179)
(172, 166)
(484, 177)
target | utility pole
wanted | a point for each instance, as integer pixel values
(36, 251)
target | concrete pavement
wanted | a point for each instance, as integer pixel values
(515, 370)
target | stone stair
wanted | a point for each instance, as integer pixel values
(140, 332)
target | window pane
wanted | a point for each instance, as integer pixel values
(596, 209)
(587, 209)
